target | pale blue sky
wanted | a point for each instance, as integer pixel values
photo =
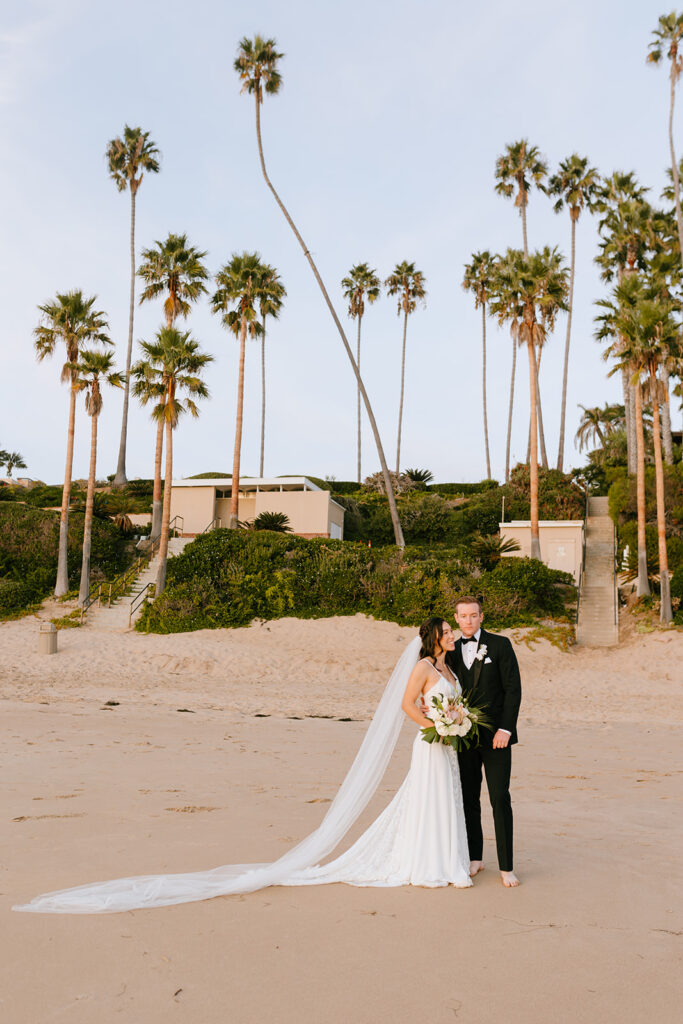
(382, 142)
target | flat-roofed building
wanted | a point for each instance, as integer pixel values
(312, 512)
(561, 542)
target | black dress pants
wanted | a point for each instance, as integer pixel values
(496, 765)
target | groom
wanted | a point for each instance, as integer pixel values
(491, 677)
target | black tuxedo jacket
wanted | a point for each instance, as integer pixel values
(493, 683)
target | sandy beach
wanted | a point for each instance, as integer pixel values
(225, 746)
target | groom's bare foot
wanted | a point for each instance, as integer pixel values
(475, 867)
(509, 879)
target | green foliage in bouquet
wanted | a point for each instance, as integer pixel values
(457, 722)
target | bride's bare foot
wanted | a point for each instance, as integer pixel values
(509, 879)
(475, 867)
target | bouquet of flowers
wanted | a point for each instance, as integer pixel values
(456, 721)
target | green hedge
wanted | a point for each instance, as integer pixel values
(29, 545)
(229, 578)
(463, 489)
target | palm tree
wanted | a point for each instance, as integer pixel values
(175, 361)
(256, 65)
(71, 319)
(360, 283)
(590, 427)
(240, 284)
(409, 285)
(271, 297)
(12, 460)
(129, 158)
(173, 267)
(666, 40)
(91, 370)
(149, 387)
(529, 295)
(629, 234)
(575, 185)
(479, 278)
(652, 335)
(518, 170)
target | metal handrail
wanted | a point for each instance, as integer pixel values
(210, 526)
(137, 600)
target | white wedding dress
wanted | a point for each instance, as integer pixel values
(419, 839)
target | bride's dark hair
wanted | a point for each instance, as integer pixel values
(431, 632)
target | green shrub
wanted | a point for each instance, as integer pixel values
(230, 577)
(463, 489)
(14, 595)
(29, 545)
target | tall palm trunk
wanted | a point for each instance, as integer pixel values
(398, 532)
(156, 493)
(565, 374)
(62, 584)
(522, 210)
(643, 584)
(541, 432)
(263, 394)
(533, 458)
(665, 613)
(235, 491)
(358, 424)
(666, 420)
(674, 164)
(87, 526)
(483, 387)
(400, 403)
(120, 478)
(512, 398)
(629, 406)
(166, 512)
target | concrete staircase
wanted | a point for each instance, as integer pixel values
(117, 618)
(597, 625)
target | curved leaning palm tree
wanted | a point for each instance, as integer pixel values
(175, 269)
(129, 158)
(575, 185)
(408, 284)
(591, 426)
(666, 41)
(72, 320)
(479, 279)
(518, 170)
(256, 64)
(241, 282)
(92, 370)
(271, 297)
(529, 295)
(171, 364)
(360, 283)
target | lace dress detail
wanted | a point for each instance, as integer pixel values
(420, 838)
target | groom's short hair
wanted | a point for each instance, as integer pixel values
(468, 599)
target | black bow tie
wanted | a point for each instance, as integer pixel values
(468, 639)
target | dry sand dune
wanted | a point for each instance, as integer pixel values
(96, 790)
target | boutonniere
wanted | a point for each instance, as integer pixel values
(481, 653)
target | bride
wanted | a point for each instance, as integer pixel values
(419, 839)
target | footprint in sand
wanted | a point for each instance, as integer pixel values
(191, 809)
(40, 817)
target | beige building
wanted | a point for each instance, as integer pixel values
(561, 542)
(311, 510)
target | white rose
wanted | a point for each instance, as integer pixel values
(465, 727)
(442, 729)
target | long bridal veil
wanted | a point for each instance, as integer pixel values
(354, 794)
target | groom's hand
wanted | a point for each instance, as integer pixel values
(501, 739)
